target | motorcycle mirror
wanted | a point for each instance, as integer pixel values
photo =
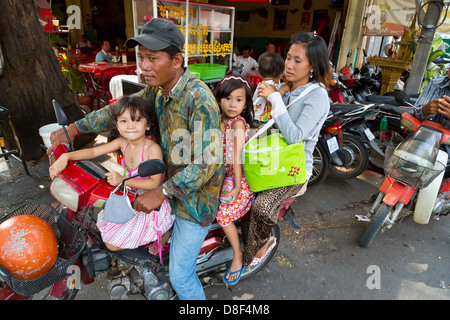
(151, 167)
(401, 97)
(349, 53)
(441, 61)
(60, 115)
(2, 62)
(62, 120)
(147, 168)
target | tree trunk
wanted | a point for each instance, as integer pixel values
(32, 76)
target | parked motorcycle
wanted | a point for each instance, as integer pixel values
(414, 179)
(339, 92)
(82, 190)
(374, 125)
(348, 155)
(337, 152)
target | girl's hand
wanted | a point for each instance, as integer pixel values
(266, 90)
(114, 178)
(233, 194)
(58, 166)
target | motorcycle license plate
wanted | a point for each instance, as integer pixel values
(369, 134)
(332, 145)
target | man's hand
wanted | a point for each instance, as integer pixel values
(149, 201)
(438, 106)
(58, 136)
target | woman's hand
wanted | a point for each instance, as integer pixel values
(114, 178)
(265, 90)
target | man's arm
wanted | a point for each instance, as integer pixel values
(96, 121)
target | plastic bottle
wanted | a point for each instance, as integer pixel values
(383, 128)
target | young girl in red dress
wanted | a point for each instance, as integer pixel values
(237, 113)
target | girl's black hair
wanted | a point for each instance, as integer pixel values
(227, 86)
(317, 53)
(137, 107)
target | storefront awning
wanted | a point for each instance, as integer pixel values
(389, 18)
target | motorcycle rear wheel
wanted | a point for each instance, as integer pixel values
(251, 271)
(321, 165)
(376, 224)
(357, 152)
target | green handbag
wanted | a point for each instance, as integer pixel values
(277, 165)
(270, 162)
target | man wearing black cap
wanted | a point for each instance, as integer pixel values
(184, 107)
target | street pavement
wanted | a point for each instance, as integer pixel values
(320, 261)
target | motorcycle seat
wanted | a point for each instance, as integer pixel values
(386, 99)
(396, 109)
(343, 108)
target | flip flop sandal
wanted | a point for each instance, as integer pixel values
(256, 261)
(231, 273)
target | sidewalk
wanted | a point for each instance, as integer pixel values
(17, 189)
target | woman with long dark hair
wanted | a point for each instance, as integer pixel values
(306, 63)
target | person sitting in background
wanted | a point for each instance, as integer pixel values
(245, 61)
(84, 42)
(433, 104)
(434, 101)
(270, 46)
(104, 54)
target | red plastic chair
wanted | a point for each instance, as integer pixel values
(131, 70)
(106, 75)
(88, 58)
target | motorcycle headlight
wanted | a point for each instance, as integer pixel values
(67, 192)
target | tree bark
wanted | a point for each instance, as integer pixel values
(32, 76)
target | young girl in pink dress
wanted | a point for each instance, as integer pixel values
(235, 101)
(131, 122)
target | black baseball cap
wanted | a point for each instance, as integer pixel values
(158, 34)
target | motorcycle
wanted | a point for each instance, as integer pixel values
(348, 155)
(414, 179)
(337, 152)
(339, 92)
(82, 190)
(374, 125)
